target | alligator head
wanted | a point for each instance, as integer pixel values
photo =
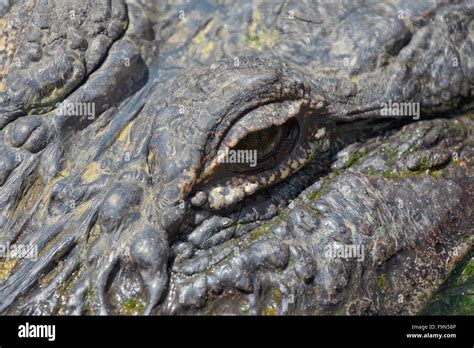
(255, 158)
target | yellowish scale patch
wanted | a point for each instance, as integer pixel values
(114, 199)
(10, 49)
(233, 194)
(179, 37)
(233, 142)
(237, 181)
(6, 267)
(91, 173)
(216, 198)
(3, 40)
(285, 172)
(124, 135)
(250, 188)
(185, 186)
(64, 172)
(294, 165)
(80, 210)
(207, 49)
(29, 198)
(47, 278)
(203, 45)
(270, 311)
(460, 163)
(259, 38)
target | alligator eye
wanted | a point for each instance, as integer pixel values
(263, 147)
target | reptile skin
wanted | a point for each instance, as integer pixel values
(132, 207)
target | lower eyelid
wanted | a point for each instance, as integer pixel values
(227, 192)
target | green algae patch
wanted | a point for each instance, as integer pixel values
(259, 232)
(132, 306)
(435, 173)
(392, 153)
(406, 173)
(314, 196)
(281, 217)
(456, 296)
(354, 157)
(253, 38)
(398, 174)
(424, 164)
(467, 272)
(381, 281)
(372, 171)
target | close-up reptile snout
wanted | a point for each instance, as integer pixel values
(249, 158)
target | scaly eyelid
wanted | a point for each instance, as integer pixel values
(275, 114)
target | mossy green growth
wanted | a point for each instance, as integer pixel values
(133, 306)
(451, 103)
(314, 196)
(392, 153)
(91, 297)
(435, 173)
(259, 232)
(467, 272)
(381, 280)
(404, 173)
(335, 173)
(413, 147)
(352, 158)
(253, 38)
(424, 164)
(372, 171)
(281, 217)
(456, 296)
(397, 175)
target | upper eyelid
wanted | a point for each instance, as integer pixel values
(261, 120)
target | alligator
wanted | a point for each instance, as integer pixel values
(121, 126)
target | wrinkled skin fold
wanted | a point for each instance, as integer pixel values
(115, 118)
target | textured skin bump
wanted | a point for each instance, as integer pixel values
(54, 52)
